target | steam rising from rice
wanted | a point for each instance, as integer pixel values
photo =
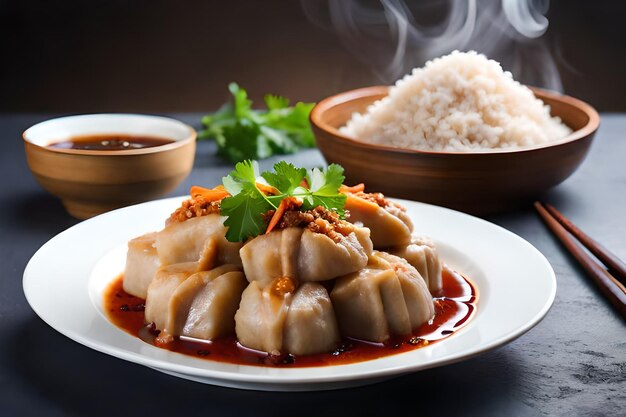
(459, 102)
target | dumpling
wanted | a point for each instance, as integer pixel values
(422, 254)
(304, 255)
(160, 290)
(310, 326)
(185, 302)
(260, 318)
(387, 298)
(280, 319)
(320, 258)
(197, 239)
(204, 305)
(142, 263)
(388, 222)
(272, 255)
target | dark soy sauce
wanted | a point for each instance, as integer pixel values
(110, 142)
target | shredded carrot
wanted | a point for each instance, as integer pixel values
(354, 189)
(278, 214)
(215, 194)
(358, 202)
(267, 189)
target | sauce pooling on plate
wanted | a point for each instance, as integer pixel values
(455, 304)
(109, 142)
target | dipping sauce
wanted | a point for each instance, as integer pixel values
(109, 142)
(454, 306)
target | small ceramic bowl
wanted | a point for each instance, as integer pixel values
(90, 182)
(475, 182)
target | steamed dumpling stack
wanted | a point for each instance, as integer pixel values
(387, 298)
(285, 309)
(189, 274)
(183, 301)
(421, 253)
(297, 321)
(298, 289)
(388, 222)
(198, 239)
(304, 255)
(391, 230)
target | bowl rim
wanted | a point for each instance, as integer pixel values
(343, 97)
(191, 136)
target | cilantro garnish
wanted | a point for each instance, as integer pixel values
(243, 133)
(247, 205)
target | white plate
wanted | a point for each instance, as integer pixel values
(64, 281)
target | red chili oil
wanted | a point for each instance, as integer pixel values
(455, 304)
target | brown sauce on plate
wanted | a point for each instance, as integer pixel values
(110, 142)
(454, 306)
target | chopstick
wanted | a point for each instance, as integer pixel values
(610, 287)
(615, 264)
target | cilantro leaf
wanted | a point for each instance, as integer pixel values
(295, 121)
(245, 214)
(324, 189)
(245, 172)
(243, 106)
(247, 205)
(215, 122)
(238, 142)
(244, 133)
(285, 178)
(279, 141)
(276, 102)
(327, 181)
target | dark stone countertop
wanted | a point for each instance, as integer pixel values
(572, 363)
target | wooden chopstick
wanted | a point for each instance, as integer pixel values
(610, 287)
(615, 264)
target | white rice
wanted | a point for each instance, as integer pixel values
(459, 102)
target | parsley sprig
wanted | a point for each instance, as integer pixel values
(243, 133)
(246, 206)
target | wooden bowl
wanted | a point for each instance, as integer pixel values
(90, 182)
(474, 182)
